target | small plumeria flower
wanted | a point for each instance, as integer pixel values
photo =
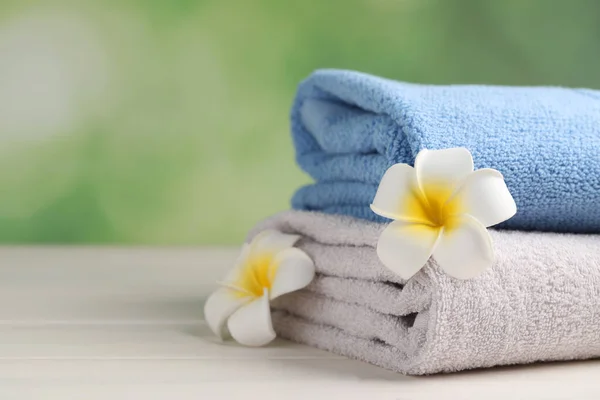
(441, 207)
(267, 268)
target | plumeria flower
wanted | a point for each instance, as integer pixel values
(441, 207)
(267, 268)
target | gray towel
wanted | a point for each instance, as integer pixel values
(539, 302)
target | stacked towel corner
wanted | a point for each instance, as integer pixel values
(538, 303)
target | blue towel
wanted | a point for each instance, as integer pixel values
(349, 127)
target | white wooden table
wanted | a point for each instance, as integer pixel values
(112, 323)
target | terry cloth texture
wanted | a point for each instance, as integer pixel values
(349, 127)
(539, 302)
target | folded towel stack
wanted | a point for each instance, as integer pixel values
(538, 302)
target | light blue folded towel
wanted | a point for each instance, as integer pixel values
(349, 127)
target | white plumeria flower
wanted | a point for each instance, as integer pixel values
(267, 268)
(441, 207)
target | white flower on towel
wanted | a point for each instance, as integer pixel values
(441, 207)
(267, 268)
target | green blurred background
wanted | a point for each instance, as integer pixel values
(165, 121)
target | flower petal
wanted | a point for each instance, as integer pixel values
(465, 248)
(251, 325)
(272, 241)
(447, 168)
(294, 270)
(219, 306)
(485, 197)
(398, 195)
(239, 264)
(405, 247)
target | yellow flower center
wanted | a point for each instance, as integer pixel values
(431, 204)
(256, 274)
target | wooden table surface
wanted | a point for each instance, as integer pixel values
(126, 323)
